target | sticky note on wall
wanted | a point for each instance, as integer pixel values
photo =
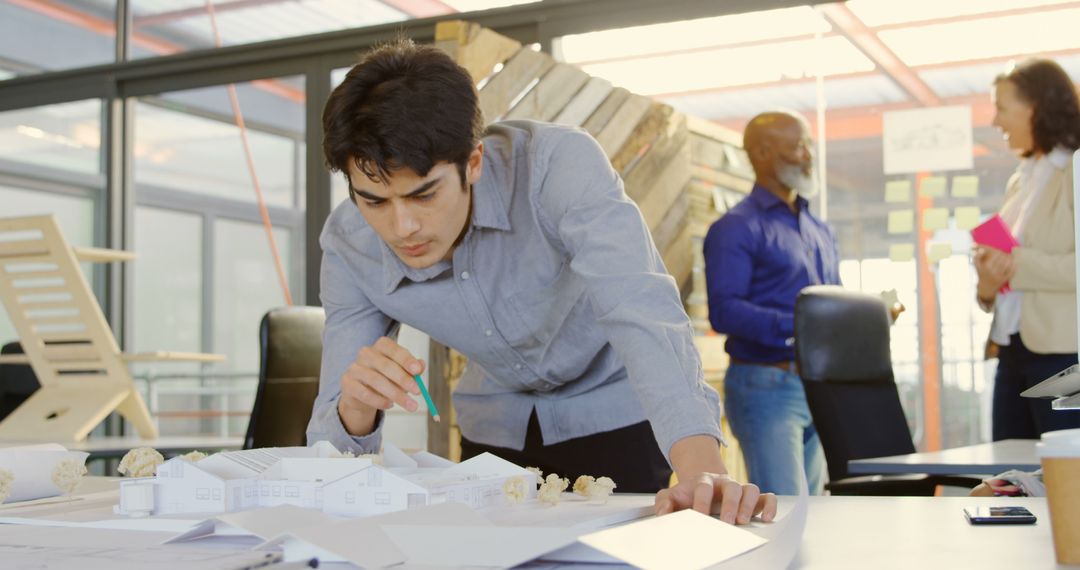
(901, 252)
(935, 219)
(901, 221)
(933, 187)
(898, 191)
(966, 186)
(935, 252)
(967, 217)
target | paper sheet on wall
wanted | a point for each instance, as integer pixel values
(927, 139)
(32, 467)
(932, 187)
(898, 191)
(967, 217)
(966, 186)
(901, 221)
(935, 219)
(901, 252)
(935, 252)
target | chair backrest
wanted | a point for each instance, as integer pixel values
(290, 342)
(17, 381)
(842, 348)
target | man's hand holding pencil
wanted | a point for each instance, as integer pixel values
(382, 375)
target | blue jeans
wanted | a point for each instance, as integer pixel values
(766, 408)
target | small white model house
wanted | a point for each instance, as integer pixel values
(317, 477)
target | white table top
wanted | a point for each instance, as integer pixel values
(982, 459)
(841, 533)
(116, 446)
(920, 532)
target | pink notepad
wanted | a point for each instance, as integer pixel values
(994, 233)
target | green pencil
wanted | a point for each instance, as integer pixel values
(427, 398)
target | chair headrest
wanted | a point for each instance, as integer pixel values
(842, 336)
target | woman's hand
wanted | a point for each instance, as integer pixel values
(995, 268)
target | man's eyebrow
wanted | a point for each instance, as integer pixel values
(422, 188)
(419, 190)
(367, 196)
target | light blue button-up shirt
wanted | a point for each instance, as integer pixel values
(556, 295)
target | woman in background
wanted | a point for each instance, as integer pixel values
(1034, 323)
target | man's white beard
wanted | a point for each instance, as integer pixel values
(792, 176)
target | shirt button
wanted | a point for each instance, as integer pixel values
(465, 275)
(488, 332)
(517, 367)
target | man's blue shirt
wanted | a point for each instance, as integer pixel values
(758, 257)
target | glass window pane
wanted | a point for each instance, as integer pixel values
(245, 287)
(60, 34)
(189, 141)
(66, 136)
(168, 281)
(162, 27)
(75, 216)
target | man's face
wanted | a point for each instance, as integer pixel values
(421, 218)
(793, 159)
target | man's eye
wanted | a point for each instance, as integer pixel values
(425, 197)
(371, 204)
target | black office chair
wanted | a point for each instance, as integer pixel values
(290, 342)
(842, 348)
(17, 381)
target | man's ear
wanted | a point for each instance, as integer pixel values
(474, 167)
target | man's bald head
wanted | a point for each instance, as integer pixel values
(778, 144)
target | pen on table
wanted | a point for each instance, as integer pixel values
(310, 563)
(427, 398)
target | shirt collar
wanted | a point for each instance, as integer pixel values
(767, 200)
(1059, 157)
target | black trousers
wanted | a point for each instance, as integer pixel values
(630, 456)
(1027, 418)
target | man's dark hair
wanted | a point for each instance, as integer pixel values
(1056, 117)
(403, 106)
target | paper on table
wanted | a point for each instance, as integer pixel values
(131, 558)
(784, 536)
(685, 540)
(264, 523)
(32, 466)
(574, 512)
(363, 542)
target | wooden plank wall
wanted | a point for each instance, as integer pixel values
(649, 143)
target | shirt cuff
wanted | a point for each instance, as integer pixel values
(358, 444)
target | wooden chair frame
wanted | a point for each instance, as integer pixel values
(83, 374)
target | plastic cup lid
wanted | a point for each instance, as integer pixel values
(1061, 443)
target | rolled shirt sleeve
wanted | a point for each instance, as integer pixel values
(352, 322)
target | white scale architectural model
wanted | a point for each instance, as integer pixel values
(318, 477)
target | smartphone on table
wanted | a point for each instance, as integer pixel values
(999, 515)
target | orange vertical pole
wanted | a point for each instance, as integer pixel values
(929, 325)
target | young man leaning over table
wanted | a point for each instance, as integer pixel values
(517, 246)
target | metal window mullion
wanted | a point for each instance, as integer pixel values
(317, 187)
